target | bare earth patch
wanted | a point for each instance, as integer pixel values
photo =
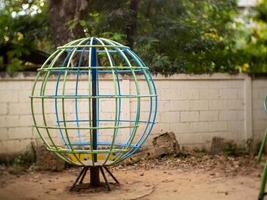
(191, 178)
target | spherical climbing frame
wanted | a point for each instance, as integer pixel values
(94, 104)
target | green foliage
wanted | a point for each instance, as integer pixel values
(251, 40)
(261, 11)
(19, 162)
(23, 28)
(175, 36)
(188, 37)
(14, 65)
(180, 36)
(24, 160)
(232, 149)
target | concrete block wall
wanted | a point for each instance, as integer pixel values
(16, 130)
(199, 107)
(195, 107)
(259, 88)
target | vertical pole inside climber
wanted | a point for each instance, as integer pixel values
(94, 99)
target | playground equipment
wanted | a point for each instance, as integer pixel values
(94, 104)
(264, 173)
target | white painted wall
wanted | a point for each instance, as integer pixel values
(195, 107)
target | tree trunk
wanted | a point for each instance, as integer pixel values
(131, 26)
(64, 16)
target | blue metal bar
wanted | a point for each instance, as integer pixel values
(85, 71)
(56, 101)
(76, 91)
(149, 126)
(92, 97)
(106, 120)
(94, 101)
(74, 67)
(137, 114)
(98, 51)
(118, 100)
(117, 60)
(76, 101)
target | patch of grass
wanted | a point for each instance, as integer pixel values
(232, 149)
(199, 152)
(19, 162)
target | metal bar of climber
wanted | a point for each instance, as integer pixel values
(94, 100)
(94, 170)
(101, 140)
(262, 193)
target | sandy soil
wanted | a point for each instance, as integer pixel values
(208, 179)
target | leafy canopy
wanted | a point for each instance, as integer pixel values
(174, 36)
(23, 29)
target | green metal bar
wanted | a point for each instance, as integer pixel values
(264, 136)
(91, 128)
(33, 115)
(78, 46)
(263, 182)
(263, 143)
(42, 92)
(56, 54)
(152, 91)
(79, 151)
(137, 107)
(73, 153)
(90, 67)
(91, 97)
(115, 132)
(32, 110)
(264, 173)
(63, 102)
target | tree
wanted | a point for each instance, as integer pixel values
(132, 23)
(64, 19)
(175, 36)
(178, 36)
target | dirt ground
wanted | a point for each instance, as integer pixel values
(194, 178)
